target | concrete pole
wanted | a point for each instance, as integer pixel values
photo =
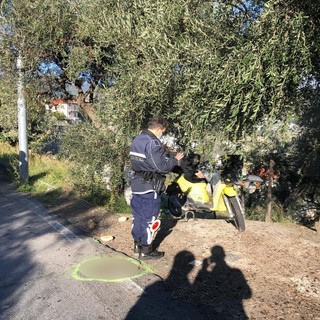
(22, 126)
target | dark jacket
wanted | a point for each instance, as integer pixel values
(148, 155)
(189, 166)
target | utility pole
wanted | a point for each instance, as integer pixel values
(22, 125)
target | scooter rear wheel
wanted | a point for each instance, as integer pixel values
(237, 213)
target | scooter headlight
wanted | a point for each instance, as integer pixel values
(252, 187)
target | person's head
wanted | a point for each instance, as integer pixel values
(157, 125)
(218, 254)
(195, 159)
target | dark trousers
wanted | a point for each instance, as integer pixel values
(145, 209)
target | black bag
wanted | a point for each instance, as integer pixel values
(158, 183)
(156, 179)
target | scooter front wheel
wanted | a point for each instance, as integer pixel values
(236, 211)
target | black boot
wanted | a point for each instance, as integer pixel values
(137, 246)
(147, 253)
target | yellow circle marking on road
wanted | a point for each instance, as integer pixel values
(110, 269)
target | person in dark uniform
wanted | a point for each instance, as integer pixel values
(150, 164)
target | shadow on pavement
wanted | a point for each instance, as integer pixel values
(217, 292)
(20, 229)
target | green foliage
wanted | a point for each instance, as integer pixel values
(94, 162)
(47, 176)
(117, 204)
(278, 214)
(50, 178)
(9, 159)
(205, 66)
(214, 69)
(301, 173)
(37, 30)
(8, 109)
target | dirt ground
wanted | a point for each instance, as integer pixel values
(270, 271)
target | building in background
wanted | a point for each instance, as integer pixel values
(69, 109)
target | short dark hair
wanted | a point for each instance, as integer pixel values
(157, 122)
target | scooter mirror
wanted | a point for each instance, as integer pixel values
(252, 187)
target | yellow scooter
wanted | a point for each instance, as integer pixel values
(185, 196)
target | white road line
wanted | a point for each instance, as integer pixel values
(69, 235)
(129, 285)
(132, 287)
(63, 230)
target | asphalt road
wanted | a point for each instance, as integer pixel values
(38, 253)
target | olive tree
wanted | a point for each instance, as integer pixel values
(213, 68)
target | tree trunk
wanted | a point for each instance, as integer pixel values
(270, 183)
(86, 107)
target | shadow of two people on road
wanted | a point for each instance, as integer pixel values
(217, 292)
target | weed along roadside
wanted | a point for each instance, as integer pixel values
(51, 182)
